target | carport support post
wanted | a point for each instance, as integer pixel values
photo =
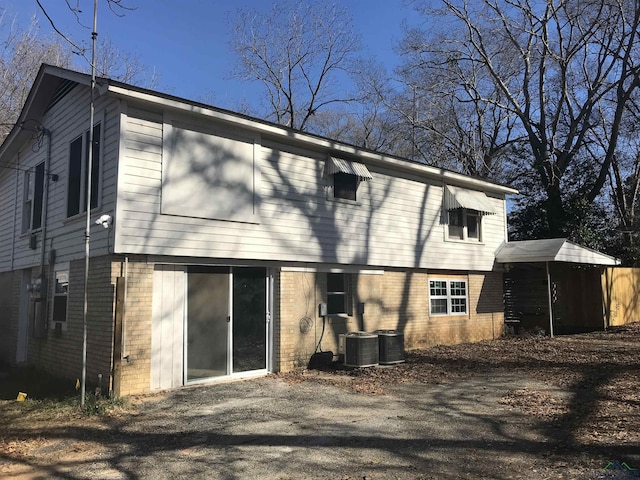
(550, 300)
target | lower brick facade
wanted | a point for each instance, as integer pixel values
(393, 300)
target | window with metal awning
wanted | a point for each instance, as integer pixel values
(340, 165)
(463, 211)
(456, 197)
(346, 177)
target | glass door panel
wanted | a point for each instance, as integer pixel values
(249, 319)
(207, 322)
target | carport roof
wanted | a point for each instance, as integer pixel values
(551, 250)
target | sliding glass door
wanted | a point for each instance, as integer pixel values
(226, 321)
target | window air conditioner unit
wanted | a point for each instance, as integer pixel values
(391, 346)
(360, 349)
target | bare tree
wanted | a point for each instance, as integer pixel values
(299, 52)
(22, 52)
(624, 183)
(366, 121)
(445, 105)
(122, 65)
(552, 70)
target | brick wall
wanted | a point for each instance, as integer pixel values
(60, 351)
(136, 372)
(395, 300)
(9, 310)
(296, 325)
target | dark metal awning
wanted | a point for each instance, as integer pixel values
(456, 197)
(340, 165)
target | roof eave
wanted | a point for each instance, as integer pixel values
(34, 106)
(298, 137)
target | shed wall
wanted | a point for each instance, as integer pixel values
(621, 295)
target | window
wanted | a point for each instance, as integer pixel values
(464, 224)
(448, 297)
(79, 184)
(463, 212)
(33, 198)
(60, 295)
(345, 186)
(338, 294)
(347, 176)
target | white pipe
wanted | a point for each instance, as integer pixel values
(550, 300)
(87, 187)
(123, 336)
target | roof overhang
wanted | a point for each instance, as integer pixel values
(279, 132)
(47, 82)
(49, 77)
(551, 250)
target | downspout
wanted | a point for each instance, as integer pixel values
(550, 300)
(45, 209)
(123, 349)
(606, 298)
(15, 216)
(506, 220)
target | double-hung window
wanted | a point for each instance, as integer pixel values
(338, 294)
(464, 224)
(448, 297)
(463, 213)
(33, 197)
(60, 294)
(80, 185)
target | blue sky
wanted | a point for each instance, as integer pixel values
(186, 41)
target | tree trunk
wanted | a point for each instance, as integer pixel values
(556, 217)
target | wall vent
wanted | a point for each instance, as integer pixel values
(360, 349)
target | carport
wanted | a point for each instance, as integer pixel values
(553, 284)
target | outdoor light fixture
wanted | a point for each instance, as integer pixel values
(104, 220)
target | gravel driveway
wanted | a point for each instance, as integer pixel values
(269, 429)
(514, 408)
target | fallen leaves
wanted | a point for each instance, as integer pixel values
(593, 378)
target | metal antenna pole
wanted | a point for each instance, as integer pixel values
(87, 189)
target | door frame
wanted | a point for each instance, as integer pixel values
(269, 333)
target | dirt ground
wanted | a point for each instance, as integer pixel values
(519, 407)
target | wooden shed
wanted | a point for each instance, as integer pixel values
(553, 285)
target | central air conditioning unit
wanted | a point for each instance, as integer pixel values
(391, 346)
(360, 349)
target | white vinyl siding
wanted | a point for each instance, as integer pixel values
(68, 119)
(397, 221)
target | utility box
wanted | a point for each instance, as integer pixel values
(360, 349)
(390, 346)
